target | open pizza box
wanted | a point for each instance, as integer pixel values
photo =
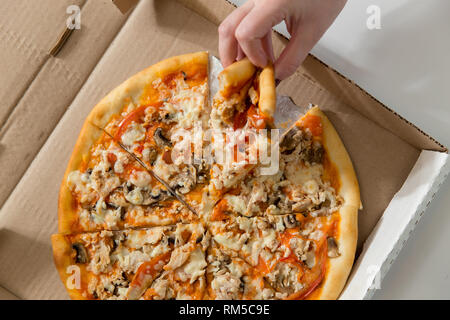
(52, 77)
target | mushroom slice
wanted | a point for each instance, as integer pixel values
(149, 155)
(81, 253)
(290, 221)
(117, 198)
(202, 171)
(155, 196)
(283, 203)
(333, 250)
(291, 140)
(160, 139)
(135, 196)
(315, 153)
(185, 181)
(310, 259)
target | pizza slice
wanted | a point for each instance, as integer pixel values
(183, 277)
(104, 187)
(289, 256)
(242, 107)
(119, 264)
(229, 277)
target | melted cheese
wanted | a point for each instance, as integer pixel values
(138, 239)
(196, 264)
(164, 170)
(135, 132)
(237, 204)
(140, 178)
(229, 240)
(299, 174)
(187, 104)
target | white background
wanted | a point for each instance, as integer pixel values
(406, 65)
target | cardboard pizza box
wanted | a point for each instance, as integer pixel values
(399, 167)
(36, 87)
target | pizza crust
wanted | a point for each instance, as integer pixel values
(234, 77)
(267, 94)
(100, 115)
(62, 253)
(340, 267)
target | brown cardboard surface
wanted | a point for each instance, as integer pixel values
(6, 295)
(125, 5)
(156, 30)
(53, 88)
(25, 43)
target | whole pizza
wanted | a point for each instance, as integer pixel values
(173, 192)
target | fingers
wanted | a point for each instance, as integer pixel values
(253, 33)
(240, 54)
(305, 34)
(268, 47)
(228, 45)
(292, 56)
(247, 31)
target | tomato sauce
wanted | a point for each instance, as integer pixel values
(313, 123)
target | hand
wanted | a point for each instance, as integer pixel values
(247, 31)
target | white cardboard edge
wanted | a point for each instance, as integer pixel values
(397, 223)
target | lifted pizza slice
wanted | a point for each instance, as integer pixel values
(244, 105)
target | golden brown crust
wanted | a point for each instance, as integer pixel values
(100, 115)
(234, 77)
(349, 188)
(267, 94)
(62, 257)
(340, 267)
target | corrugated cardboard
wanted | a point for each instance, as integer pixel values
(24, 50)
(6, 295)
(384, 155)
(125, 5)
(40, 87)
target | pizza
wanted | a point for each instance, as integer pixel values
(123, 264)
(167, 196)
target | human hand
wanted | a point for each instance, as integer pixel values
(247, 31)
